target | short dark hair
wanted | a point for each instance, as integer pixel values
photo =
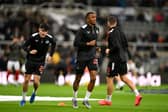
(44, 26)
(112, 19)
(88, 13)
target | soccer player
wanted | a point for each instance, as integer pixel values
(85, 42)
(36, 47)
(14, 55)
(117, 52)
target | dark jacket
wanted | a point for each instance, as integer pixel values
(118, 45)
(85, 34)
(41, 45)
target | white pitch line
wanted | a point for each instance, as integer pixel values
(41, 98)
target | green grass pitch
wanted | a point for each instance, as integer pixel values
(123, 101)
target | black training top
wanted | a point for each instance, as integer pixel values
(41, 45)
(85, 34)
(118, 45)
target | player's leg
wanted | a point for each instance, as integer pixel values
(75, 90)
(120, 83)
(91, 84)
(29, 67)
(110, 89)
(36, 82)
(92, 66)
(9, 69)
(35, 85)
(17, 71)
(124, 78)
(38, 70)
(76, 84)
(131, 85)
(27, 78)
(90, 87)
(80, 66)
(111, 73)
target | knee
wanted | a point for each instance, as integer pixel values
(26, 81)
(124, 79)
(93, 79)
(78, 78)
(37, 82)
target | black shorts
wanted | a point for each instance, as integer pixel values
(91, 64)
(116, 68)
(34, 68)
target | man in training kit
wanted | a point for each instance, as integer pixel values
(85, 42)
(36, 47)
(117, 52)
(13, 64)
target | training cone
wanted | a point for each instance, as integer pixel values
(61, 104)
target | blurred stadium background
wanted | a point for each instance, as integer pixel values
(144, 23)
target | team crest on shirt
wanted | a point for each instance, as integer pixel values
(36, 40)
(47, 42)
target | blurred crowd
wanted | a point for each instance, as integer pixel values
(119, 3)
(22, 23)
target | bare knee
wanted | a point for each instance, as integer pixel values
(26, 81)
(78, 78)
(124, 78)
(93, 75)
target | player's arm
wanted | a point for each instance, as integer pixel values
(78, 38)
(52, 50)
(125, 43)
(91, 43)
(113, 47)
(26, 45)
(53, 44)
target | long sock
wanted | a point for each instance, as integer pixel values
(87, 95)
(24, 95)
(136, 92)
(7, 74)
(109, 97)
(75, 94)
(17, 75)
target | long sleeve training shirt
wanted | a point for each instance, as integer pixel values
(85, 34)
(35, 42)
(118, 45)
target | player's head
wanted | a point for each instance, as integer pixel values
(90, 18)
(43, 29)
(111, 21)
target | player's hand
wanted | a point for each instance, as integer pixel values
(91, 43)
(34, 51)
(49, 59)
(98, 49)
(41, 68)
(107, 51)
